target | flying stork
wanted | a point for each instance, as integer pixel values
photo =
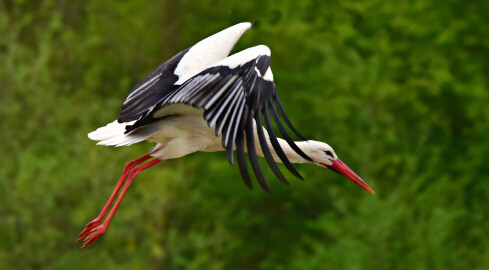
(201, 99)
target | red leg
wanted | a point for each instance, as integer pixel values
(94, 223)
(99, 230)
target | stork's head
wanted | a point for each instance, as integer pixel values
(323, 155)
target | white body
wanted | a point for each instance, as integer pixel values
(188, 132)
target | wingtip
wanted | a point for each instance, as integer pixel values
(266, 189)
(242, 27)
(246, 24)
(264, 49)
(91, 135)
(231, 159)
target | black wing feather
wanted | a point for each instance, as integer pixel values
(250, 143)
(286, 119)
(240, 155)
(276, 146)
(286, 135)
(266, 151)
(233, 132)
(151, 89)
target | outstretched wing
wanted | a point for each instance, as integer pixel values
(178, 69)
(236, 93)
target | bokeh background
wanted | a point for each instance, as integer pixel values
(398, 88)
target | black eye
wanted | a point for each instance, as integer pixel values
(328, 153)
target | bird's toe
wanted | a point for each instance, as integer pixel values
(93, 235)
(91, 225)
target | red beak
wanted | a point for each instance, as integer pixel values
(340, 167)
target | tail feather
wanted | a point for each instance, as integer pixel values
(113, 134)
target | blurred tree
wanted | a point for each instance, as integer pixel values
(399, 88)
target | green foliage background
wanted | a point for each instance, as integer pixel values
(399, 88)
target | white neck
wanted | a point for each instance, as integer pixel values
(289, 152)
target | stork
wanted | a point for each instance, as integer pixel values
(201, 99)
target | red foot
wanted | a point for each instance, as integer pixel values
(92, 224)
(94, 234)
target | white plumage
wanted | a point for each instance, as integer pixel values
(209, 51)
(204, 100)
